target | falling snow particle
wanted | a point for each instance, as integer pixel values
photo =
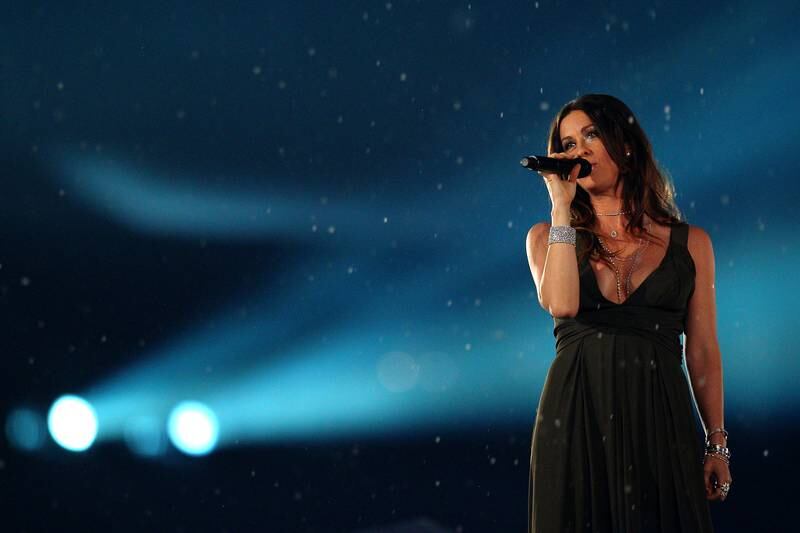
(468, 346)
(312, 52)
(403, 76)
(702, 91)
(281, 85)
(257, 70)
(60, 86)
(544, 106)
(25, 281)
(457, 105)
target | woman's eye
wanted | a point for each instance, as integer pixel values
(591, 132)
(568, 145)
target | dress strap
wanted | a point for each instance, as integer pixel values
(680, 234)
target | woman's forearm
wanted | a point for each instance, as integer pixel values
(705, 372)
(560, 292)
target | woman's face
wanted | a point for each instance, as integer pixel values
(580, 138)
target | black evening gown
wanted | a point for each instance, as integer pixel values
(616, 445)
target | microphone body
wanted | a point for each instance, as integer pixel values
(559, 166)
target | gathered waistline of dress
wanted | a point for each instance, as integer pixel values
(569, 331)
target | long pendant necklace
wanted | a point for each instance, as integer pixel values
(635, 257)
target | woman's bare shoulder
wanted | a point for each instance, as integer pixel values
(700, 246)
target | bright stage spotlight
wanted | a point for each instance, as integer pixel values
(193, 428)
(72, 423)
(25, 429)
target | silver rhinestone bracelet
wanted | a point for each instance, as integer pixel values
(565, 234)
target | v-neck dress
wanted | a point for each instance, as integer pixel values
(617, 445)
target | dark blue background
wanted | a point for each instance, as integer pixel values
(400, 126)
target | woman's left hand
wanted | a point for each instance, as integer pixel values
(716, 472)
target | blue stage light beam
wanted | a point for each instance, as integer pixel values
(72, 422)
(174, 203)
(145, 435)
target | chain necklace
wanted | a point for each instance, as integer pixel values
(635, 257)
(613, 231)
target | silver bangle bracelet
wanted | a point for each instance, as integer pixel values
(565, 234)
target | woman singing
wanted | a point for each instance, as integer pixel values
(615, 445)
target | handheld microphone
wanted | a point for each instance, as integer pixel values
(560, 166)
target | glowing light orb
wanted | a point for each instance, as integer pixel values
(145, 436)
(72, 422)
(398, 371)
(25, 429)
(193, 428)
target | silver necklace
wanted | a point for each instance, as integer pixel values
(613, 231)
(636, 257)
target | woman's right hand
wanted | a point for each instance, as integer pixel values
(562, 192)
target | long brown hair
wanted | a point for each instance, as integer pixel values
(646, 187)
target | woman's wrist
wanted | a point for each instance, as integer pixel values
(560, 216)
